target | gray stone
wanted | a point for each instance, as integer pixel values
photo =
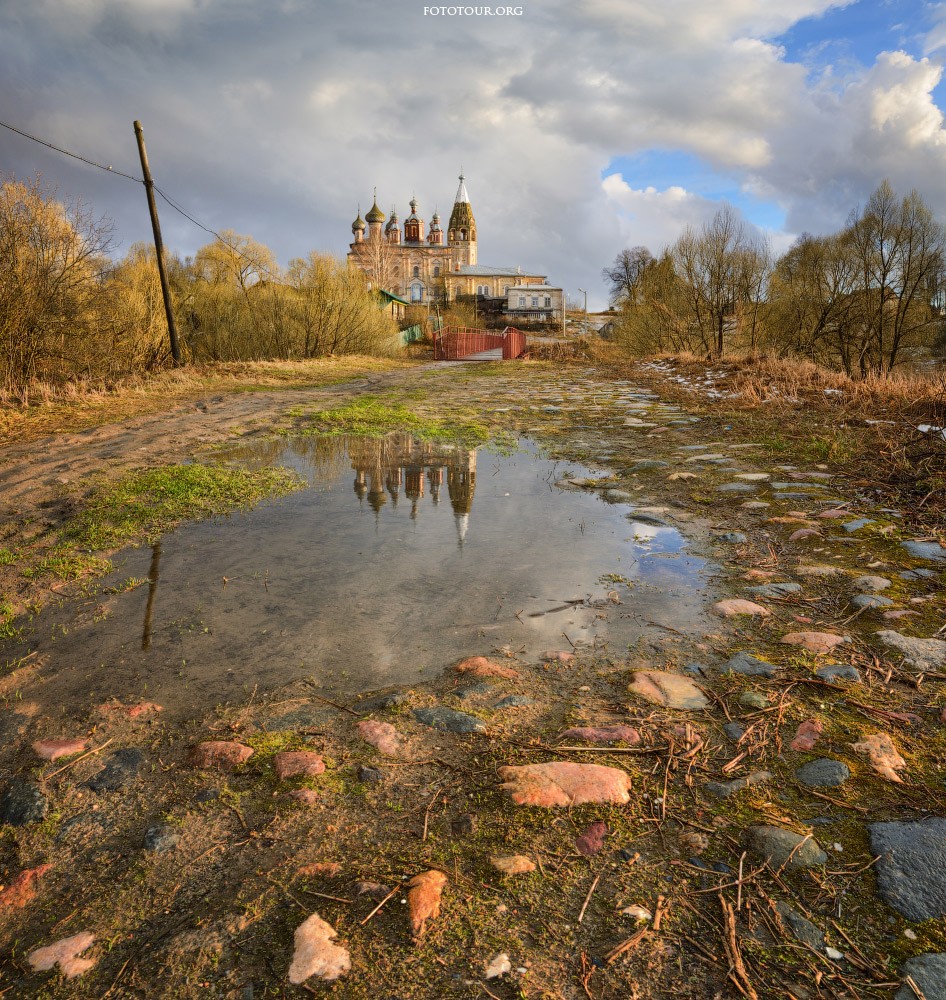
(919, 574)
(871, 601)
(449, 721)
(734, 730)
(639, 518)
(23, 802)
(745, 663)
(839, 672)
(301, 718)
(928, 972)
(911, 876)
(515, 701)
(733, 537)
(857, 524)
(784, 847)
(724, 789)
(736, 488)
(120, 768)
(161, 838)
(932, 551)
(872, 583)
(921, 654)
(370, 775)
(753, 699)
(648, 465)
(775, 589)
(803, 929)
(383, 701)
(823, 773)
(478, 690)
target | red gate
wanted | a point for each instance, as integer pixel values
(456, 342)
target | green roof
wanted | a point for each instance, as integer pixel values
(391, 297)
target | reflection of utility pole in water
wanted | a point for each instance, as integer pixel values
(153, 574)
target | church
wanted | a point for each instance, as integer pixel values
(441, 265)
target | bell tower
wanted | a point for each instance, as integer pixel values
(461, 231)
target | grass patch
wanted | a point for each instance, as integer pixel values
(145, 504)
(374, 416)
(8, 558)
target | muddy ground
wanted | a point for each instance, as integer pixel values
(771, 823)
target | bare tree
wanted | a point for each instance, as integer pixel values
(625, 274)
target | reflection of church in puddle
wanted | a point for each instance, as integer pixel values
(399, 463)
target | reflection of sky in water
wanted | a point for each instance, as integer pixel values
(398, 558)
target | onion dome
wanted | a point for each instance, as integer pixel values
(392, 222)
(435, 222)
(358, 226)
(413, 216)
(375, 215)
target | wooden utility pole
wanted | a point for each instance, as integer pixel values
(158, 243)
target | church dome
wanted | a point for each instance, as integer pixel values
(375, 215)
(392, 222)
(358, 226)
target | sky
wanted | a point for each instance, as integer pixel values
(582, 126)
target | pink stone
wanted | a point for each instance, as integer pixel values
(814, 642)
(513, 864)
(129, 711)
(220, 755)
(603, 734)
(834, 514)
(306, 796)
(52, 749)
(65, 954)
(669, 690)
(808, 735)
(556, 656)
(894, 615)
(297, 763)
(480, 666)
(315, 954)
(21, 890)
(564, 783)
(591, 841)
(737, 606)
(797, 536)
(883, 756)
(381, 735)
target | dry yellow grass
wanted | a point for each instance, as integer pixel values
(43, 408)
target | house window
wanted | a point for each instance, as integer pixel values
(417, 292)
(506, 290)
(535, 301)
(416, 272)
(548, 301)
(522, 301)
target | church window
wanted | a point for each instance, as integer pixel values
(462, 234)
(436, 270)
(506, 290)
(397, 272)
(417, 292)
(416, 271)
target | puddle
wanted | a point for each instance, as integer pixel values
(399, 558)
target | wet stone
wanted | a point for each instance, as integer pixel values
(23, 802)
(482, 689)
(161, 838)
(928, 972)
(839, 672)
(515, 701)
(745, 663)
(734, 730)
(725, 789)
(121, 767)
(784, 847)
(925, 550)
(383, 701)
(919, 574)
(871, 601)
(857, 524)
(775, 590)
(823, 773)
(911, 876)
(449, 721)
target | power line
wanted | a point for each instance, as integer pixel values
(59, 149)
(111, 170)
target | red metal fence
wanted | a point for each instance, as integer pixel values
(455, 342)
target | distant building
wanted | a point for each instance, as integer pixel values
(442, 266)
